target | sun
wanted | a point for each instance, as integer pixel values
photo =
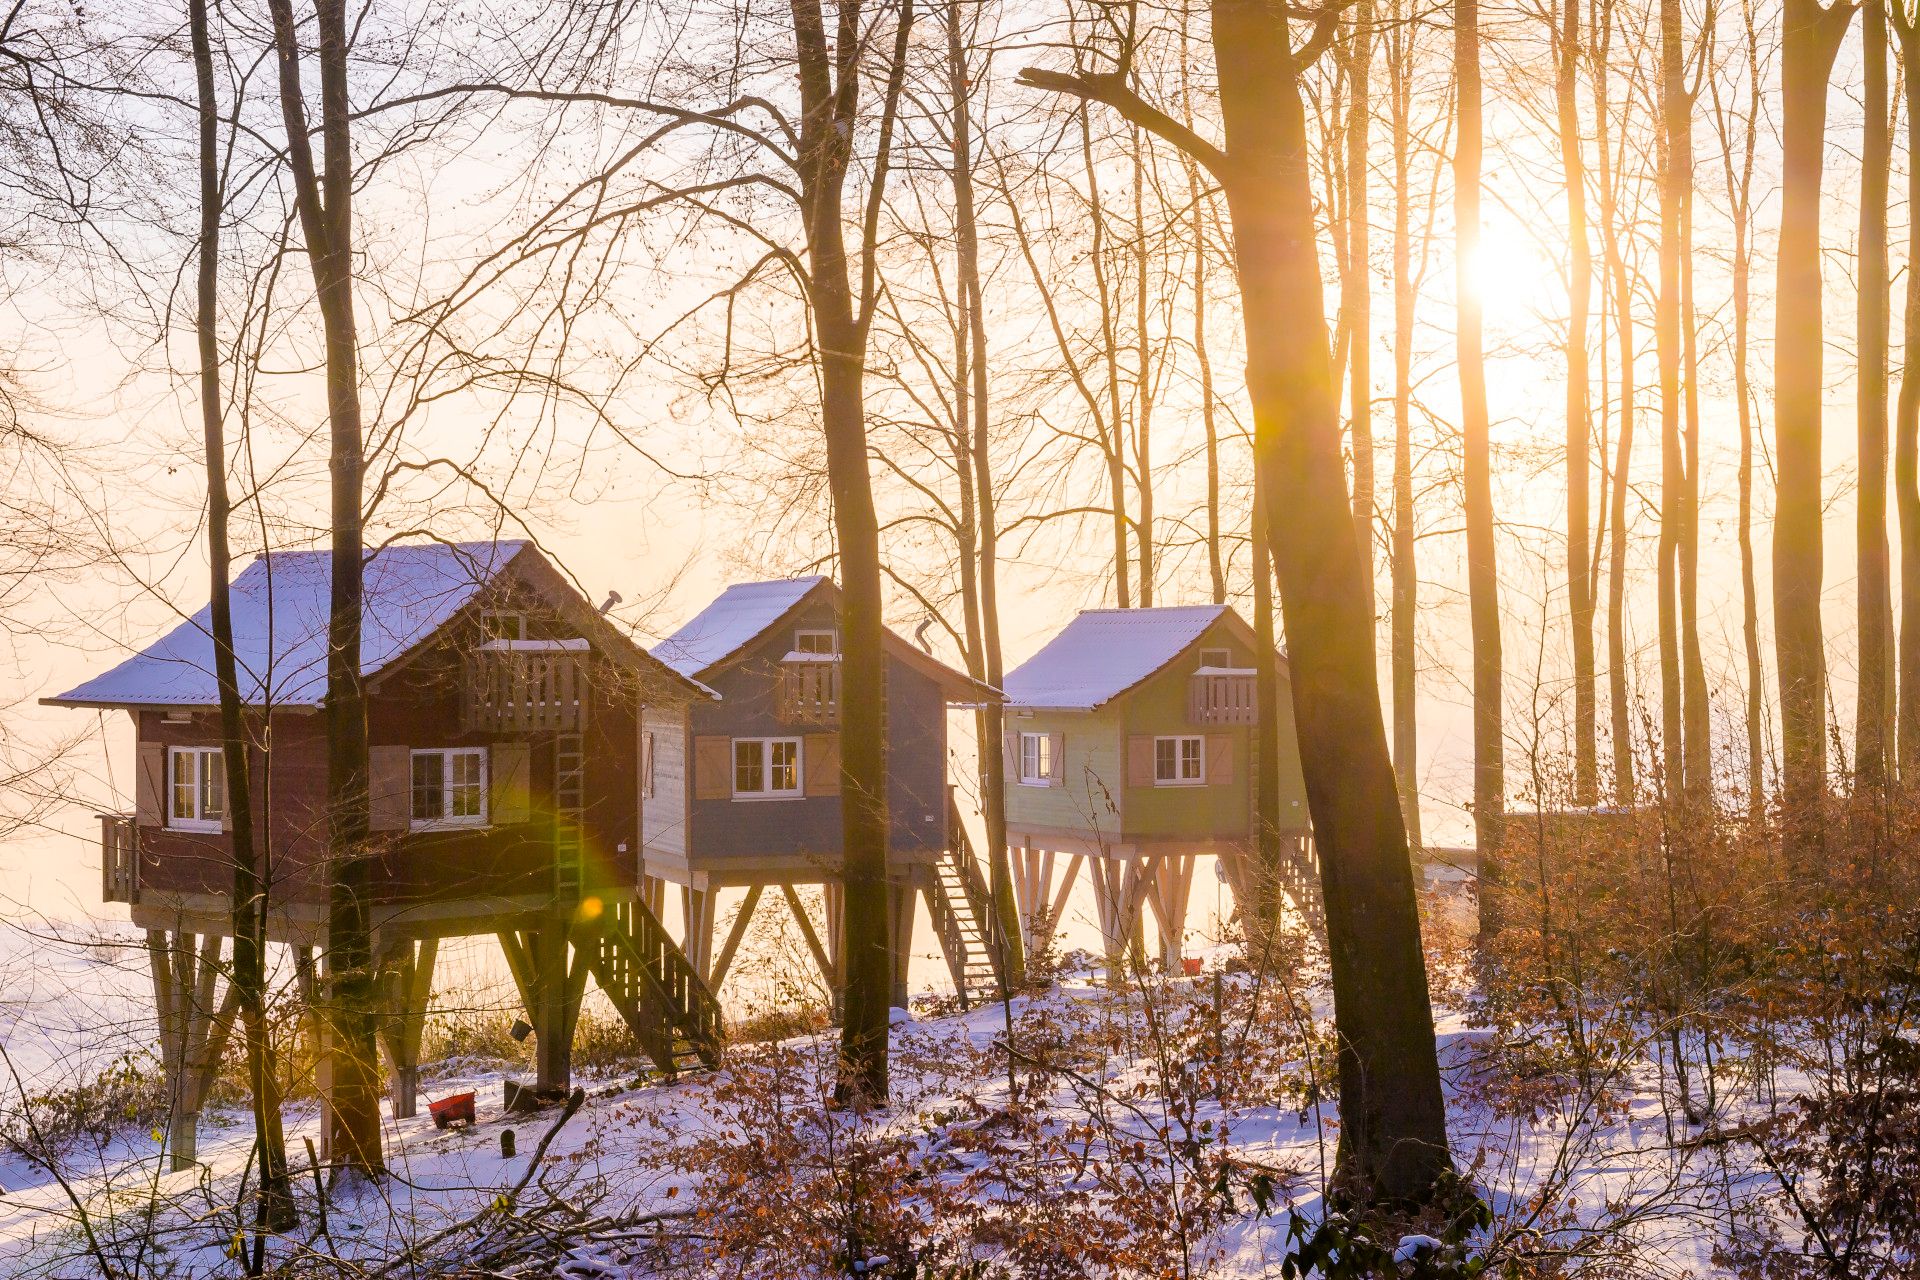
(1509, 274)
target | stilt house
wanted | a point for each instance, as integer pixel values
(1130, 749)
(746, 790)
(504, 716)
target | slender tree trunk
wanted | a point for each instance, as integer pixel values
(1115, 434)
(970, 379)
(1406, 577)
(829, 80)
(1143, 384)
(1620, 712)
(1739, 175)
(1586, 786)
(1872, 749)
(1666, 334)
(274, 1206)
(1810, 37)
(1209, 413)
(1483, 582)
(324, 201)
(1358, 308)
(1906, 466)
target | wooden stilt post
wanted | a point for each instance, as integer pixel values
(823, 955)
(697, 906)
(1169, 890)
(735, 934)
(408, 978)
(193, 1030)
(902, 899)
(306, 978)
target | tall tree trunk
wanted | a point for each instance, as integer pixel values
(274, 1206)
(1906, 465)
(970, 387)
(1483, 582)
(1674, 108)
(1393, 1138)
(1620, 712)
(829, 80)
(1871, 749)
(1406, 577)
(1358, 307)
(1115, 434)
(1739, 176)
(1586, 785)
(1143, 385)
(325, 204)
(1810, 37)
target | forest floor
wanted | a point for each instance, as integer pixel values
(1170, 1127)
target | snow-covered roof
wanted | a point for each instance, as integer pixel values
(1103, 653)
(280, 607)
(731, 622)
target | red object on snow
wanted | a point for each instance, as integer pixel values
(1192, 965)
(451, 1110)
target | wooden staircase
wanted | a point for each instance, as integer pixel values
(655, 988)
(961, 903)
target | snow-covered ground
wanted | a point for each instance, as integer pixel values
(1123, 1090)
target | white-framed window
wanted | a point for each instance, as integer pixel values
(1216, 657)
(766, 768)
(826, 641)
(449, 788)
(1036, 759)
(196, 788)
(1180, 761)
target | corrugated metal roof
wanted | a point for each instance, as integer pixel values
(1104, 652)
(280, 608)
(730, 623)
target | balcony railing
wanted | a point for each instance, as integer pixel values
(119, 858)
(1223, 695)
(526, 686)
(810, 688)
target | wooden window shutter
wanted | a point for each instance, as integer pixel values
(821, 753)
(150, 786)
(1140, 760)
(712, 768)
(1219, 759)
(389, 788)
(1010, 752)
(1057, 759)
(646, 765)
(512, 784)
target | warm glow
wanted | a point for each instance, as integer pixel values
(1509, 274)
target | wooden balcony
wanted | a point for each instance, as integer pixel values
(119, 858)
(809, 689)
(526, 686)
(1223, 695)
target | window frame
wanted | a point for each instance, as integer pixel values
(1179, 760)
(489, 618)
(766, 790)
(1225, 652)
(1042, 775)
(833, 641)
(448, 821)
(208, 763)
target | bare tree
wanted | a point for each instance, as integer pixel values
(1872, 739)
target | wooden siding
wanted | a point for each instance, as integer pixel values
(1096, 763)
(727, 833)
(414, 706)
(664, 829)
(1090, 799)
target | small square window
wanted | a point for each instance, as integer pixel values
(822, 641)
(766, 768)
(1179, 761)
(449, 788)
(1216, 657)
(497, 624)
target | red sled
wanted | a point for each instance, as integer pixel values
(454, 1109)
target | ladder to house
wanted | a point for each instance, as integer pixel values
(655, 988)
(961, 903)
(569, 815)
